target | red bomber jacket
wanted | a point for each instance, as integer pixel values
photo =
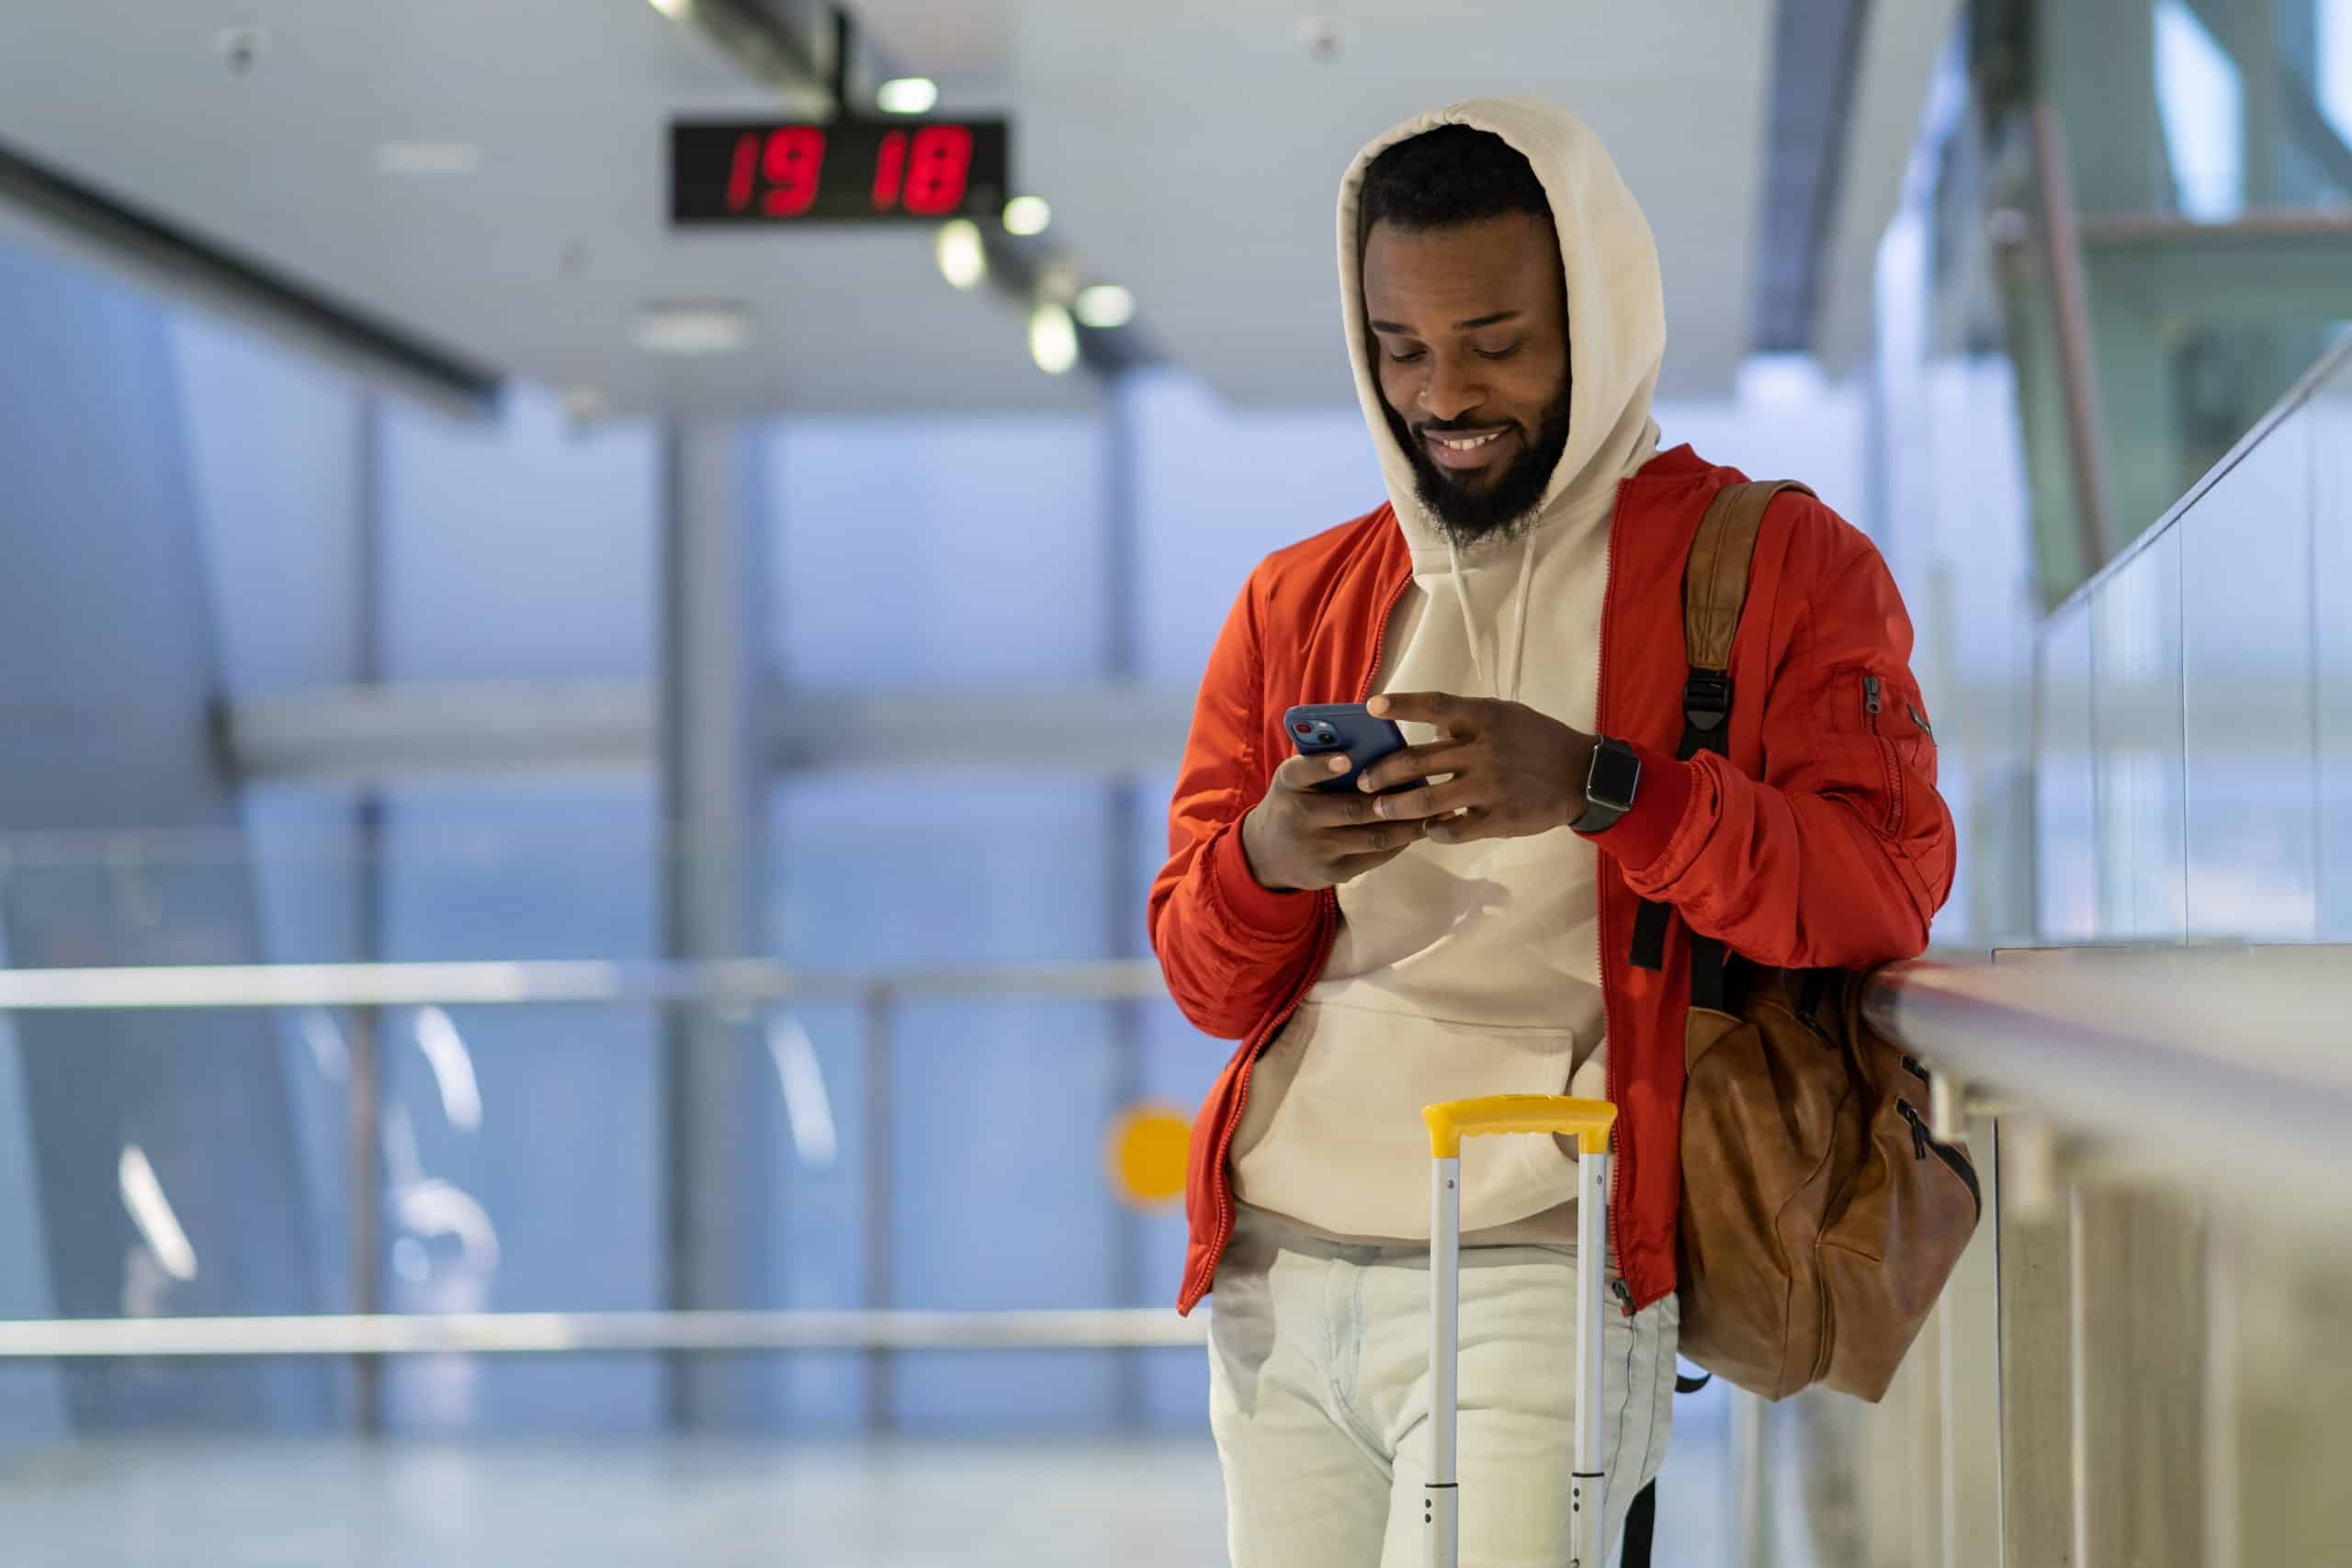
(1819, 841)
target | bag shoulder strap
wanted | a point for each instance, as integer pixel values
(1714, 593)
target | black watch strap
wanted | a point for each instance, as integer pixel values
(1610, 785)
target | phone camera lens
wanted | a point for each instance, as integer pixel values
(1303, 728)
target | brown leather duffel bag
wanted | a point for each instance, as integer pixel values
(1819, 1220)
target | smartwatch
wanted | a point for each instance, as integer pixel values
(1609, 786)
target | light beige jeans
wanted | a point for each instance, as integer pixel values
(1320, 1390)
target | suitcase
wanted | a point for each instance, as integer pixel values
(1588, 1121)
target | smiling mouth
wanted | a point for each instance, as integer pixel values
(1465, 449)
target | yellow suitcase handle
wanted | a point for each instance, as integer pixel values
(1587, 1120)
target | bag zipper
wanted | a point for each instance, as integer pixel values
(1919, 1128)
(1922, 1146)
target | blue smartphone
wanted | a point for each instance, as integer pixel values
(1319, 729)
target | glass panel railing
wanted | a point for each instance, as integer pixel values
(2193, 702)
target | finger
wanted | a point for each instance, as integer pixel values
(1303, 773)
(1335, 808)
(1453, 716)
(1471, 825)
(1431, 800)
(1371, 838)
(1413, 762)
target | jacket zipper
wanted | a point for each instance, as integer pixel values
(1623, 1291)
(1874, 702)
(1224, 1176)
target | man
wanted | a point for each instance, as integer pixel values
(1520, 602)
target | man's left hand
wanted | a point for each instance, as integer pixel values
(1515, 772)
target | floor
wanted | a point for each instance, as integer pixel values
(678, 1503)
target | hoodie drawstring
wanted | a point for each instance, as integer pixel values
(1518, 618)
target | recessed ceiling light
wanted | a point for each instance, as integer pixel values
(426, 159)
(907, 94)
(683, 326)
(963, 258)
(1027, 215)
(674, 9)
(1105, 305)
(1053, 339)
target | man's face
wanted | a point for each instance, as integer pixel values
(1470, 335)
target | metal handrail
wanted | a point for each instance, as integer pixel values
(577, 1333)
(2223, 1062)
(730, 982)
(2228, 1067)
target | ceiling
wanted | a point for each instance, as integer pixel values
(1190, 152)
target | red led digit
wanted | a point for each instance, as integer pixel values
(942, 162)
(890, 167)
(790, 164)
(739, 173)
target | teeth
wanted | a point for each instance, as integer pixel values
(1471, 444)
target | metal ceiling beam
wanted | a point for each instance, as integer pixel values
(383, 735)
(154, 254)
(1817, 52)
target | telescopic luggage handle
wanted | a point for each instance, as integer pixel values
(1589, 1122)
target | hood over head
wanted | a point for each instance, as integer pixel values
(1615, 302)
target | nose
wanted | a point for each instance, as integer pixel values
(1449, 393)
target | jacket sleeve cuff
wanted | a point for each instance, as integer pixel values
(1246, 903)
(1660, 803)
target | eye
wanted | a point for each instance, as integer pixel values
(1500, 353)
(1415, 357)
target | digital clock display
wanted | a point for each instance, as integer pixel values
(847, 171)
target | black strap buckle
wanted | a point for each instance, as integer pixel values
(1706, 700)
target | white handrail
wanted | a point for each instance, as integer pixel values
(2231, 1063)
(562, 1333)
(551, 982)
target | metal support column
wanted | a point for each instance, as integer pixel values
(1122, 661)
(365, 1099)
(878, 1188)
(2139, 1301)
(718, 1090)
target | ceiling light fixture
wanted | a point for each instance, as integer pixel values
(1026, 215)
(691, 327)
(1105, 305)
(1053, 339)
(963, 257)
(676, 10)
(905, 94)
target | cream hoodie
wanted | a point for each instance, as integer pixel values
(1472, 969)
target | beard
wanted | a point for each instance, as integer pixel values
(1502, 507)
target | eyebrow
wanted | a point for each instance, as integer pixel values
(1473, 324)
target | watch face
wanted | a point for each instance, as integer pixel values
(1615, 771)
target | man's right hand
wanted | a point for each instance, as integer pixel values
(1298, 839)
